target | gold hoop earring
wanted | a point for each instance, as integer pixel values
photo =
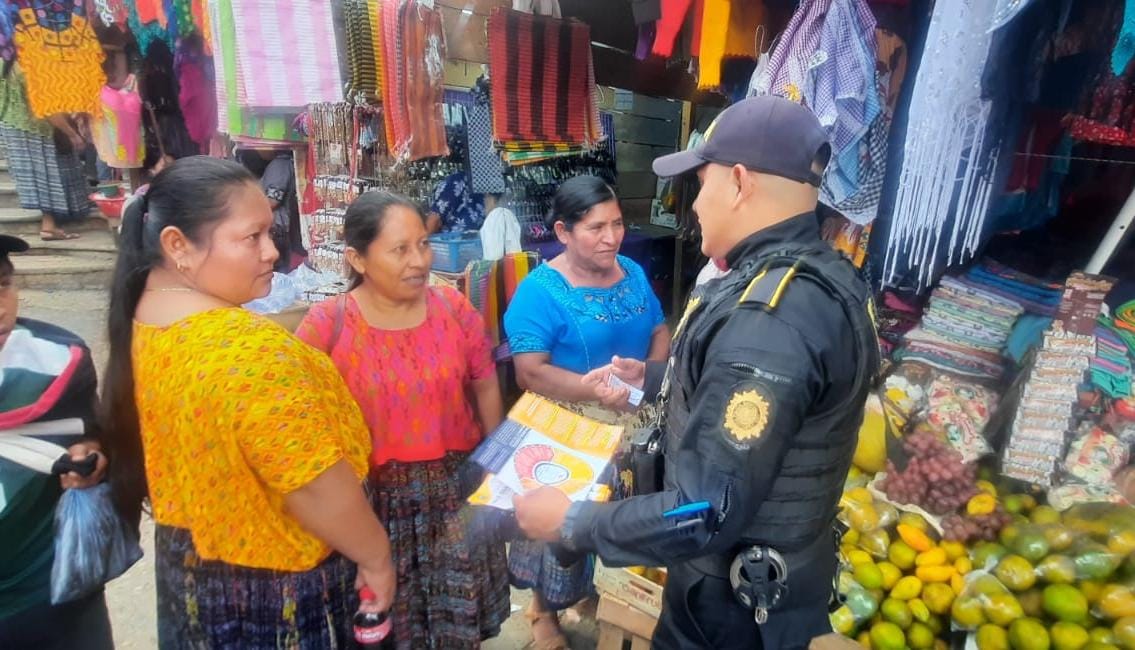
(180, 267)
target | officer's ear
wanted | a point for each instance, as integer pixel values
(743, 184)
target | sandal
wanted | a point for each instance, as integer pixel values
(555, 642)
(57, 235)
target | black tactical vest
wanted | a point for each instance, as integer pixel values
(803, 500)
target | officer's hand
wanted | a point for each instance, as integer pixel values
(541, 513)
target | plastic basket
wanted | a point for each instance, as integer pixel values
(453, 251)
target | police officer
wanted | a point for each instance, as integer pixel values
(761, 402)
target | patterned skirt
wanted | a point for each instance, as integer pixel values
(533, 565)
(46, 180)
(212, 605)
(452, 572)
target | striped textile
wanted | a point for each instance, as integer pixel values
(46, 180)
(542, 75)
(297, 37)
(360, 53)
(423, 61)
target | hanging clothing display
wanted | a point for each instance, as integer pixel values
(672, 17)
(542, 74)
(196, 93)
(1108, 116)
(297, 37)
(424, 78)
(146, 31)
(152, 11)
(945, 185)
(117, 127)
(112, 13)
(233, 115)
(60, 56)
(360, 55)
(7, 45)
(485, 172)
(394, 100)
(413, 79)
(728, 29)
(826, 58)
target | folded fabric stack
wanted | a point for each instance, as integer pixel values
(893, 319)
(1125, 324)
(1110, 368)
(1034, 295)
(544, 97)
(963, 331)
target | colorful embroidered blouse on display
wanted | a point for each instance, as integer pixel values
(61, 59)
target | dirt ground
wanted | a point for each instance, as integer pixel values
(131, 598)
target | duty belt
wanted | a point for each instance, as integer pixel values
(760, 576)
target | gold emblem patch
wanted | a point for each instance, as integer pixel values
(747, 415)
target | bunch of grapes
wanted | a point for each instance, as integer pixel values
(967, 528)
(935, 479)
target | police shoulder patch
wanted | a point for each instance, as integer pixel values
(748, 413)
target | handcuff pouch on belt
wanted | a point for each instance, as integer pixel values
(759, 577)
(646, 460)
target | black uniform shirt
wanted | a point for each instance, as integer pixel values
(752, 358)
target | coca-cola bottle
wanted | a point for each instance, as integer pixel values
(373, 630)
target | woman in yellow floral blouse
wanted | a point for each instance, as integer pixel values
(246, 441)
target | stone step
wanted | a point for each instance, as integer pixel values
(63, 270)
(95, 239)
(26, 223)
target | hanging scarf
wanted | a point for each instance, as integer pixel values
(946, 181)
(196, 94)
(111, 13)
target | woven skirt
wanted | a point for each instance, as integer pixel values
(211, 605)
(46, 180)
(452, 572)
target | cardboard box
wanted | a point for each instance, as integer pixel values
(636, 590)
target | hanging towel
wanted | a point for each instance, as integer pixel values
(286, 52)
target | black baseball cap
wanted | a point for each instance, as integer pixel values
(10, 244)
(766, 134)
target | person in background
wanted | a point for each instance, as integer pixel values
(245, 440)
(454, 207)
(279, 184)
(34, 357)
(568, 317)
(418, 361)
(44, 159)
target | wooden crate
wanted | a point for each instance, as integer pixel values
(630, 588)
(619, 622)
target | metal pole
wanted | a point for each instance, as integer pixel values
(1114, 236)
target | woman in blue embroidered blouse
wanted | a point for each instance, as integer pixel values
(568, 317)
